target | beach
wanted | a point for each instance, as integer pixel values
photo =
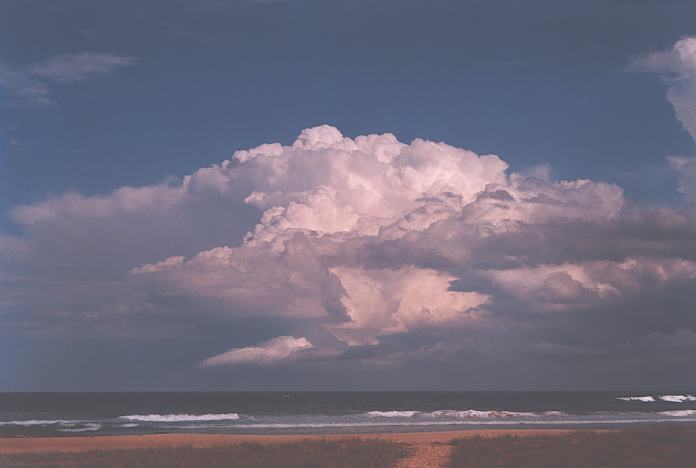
(346, 429)
(81, 443)
(425, 448)
(655, 446)
(672, 446)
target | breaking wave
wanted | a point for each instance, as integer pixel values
(180, 417)
(644, 399)
(87, 427)
(668, 398)
(488, 414)
(461, 414)
(679, 413)
(677, 398)
(391, 414)
(566, 421)
(38, 422)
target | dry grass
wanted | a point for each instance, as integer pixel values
(306, 454)
(660, 447)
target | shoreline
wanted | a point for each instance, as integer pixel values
(14, 445)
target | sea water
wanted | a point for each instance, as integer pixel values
(331, 412)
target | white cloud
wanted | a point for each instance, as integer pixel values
(687, 176)
(678, 67)
(328, 184)
(353, 241)
(33, 83)
(279, 349)
(328, 199)
(568, 285)
(245, 281)
(71, 68)
(125, 199)
(395, 301)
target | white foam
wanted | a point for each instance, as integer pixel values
(87, 427)
(644, 399)
(677, 398)
(679, 413)
(36, 422)
(129, 425)
(180, 417)
(485, 414)
(461, 414)
(391, 414)
(456, 422)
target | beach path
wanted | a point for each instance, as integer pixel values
(427, 454)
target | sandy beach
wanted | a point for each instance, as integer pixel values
(427, 448)
(73, 444)
(659, 446)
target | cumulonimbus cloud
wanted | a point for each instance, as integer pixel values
(354, 243)
(329, 200)
(369, 237)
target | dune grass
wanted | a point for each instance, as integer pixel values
(671, 447)
(305, 454)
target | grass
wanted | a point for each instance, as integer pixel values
(306, 454)
(661, 447)
(672, 447)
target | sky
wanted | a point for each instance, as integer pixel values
(347, 195)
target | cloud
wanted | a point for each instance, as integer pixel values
(558, 287)
(279, 349)
(246, 281)
(330, 200)
(72, 68)
(374, 250)
(687, 176)
(34, 83)
(395, 301)
(677, 66)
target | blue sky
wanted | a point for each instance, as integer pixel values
(535, 82)
(98, 96)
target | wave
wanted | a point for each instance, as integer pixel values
(644, 399)
(391, 414)
(677, 398)
(180, 417)
(38, 422)
(628, 419)
(668, 398)
(87, 427)
(461, 414)
(679, 413)
(486, 414)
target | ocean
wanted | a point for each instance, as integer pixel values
(55, 414)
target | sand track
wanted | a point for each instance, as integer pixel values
(427, 454)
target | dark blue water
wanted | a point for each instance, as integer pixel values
(329, 412)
